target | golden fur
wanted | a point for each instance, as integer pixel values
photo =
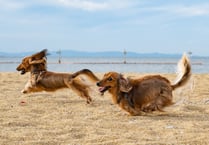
(43, 80)
(145, 94)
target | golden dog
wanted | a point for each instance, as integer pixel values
(43, 80)
(145, 94)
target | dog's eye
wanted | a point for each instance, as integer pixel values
(109, 79)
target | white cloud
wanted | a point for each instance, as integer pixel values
(193, 10)
(102, 5)
(88, 5)
(10, 5)
(182, 10)
(84, 4)
(95, 5)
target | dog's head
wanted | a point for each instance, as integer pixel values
(25, 65)
(114, 80)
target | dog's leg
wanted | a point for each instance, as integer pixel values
(164, 99)
(80, 88)
(127, 97)
(27, 87)
(31, 84)
(33, 79)
(119, 97)
(125, 106)
(130, 100)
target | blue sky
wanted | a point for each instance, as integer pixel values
(144, 26)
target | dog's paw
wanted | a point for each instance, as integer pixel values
(24, 91)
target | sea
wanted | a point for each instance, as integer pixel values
(106, 64)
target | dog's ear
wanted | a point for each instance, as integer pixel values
(39, 55)
(124, 84)
(43, 60)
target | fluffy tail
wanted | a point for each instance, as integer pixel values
(86, 72)
(184, 72)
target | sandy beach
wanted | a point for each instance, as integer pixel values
(64, 118)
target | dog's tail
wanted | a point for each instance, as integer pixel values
(87, 73)
(184, 72)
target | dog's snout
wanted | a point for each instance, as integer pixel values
(18, 68)
(98, 83)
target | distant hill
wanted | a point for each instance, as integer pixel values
(73, 53)
(13, 54)
(70, 53)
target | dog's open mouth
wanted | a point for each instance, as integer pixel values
(22, 72)
(103, 89)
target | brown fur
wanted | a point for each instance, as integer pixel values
(146, 94)
(43, 80)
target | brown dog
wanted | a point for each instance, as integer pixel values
(146, 94)
(43, 80)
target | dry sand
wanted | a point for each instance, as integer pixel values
(64, 118)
